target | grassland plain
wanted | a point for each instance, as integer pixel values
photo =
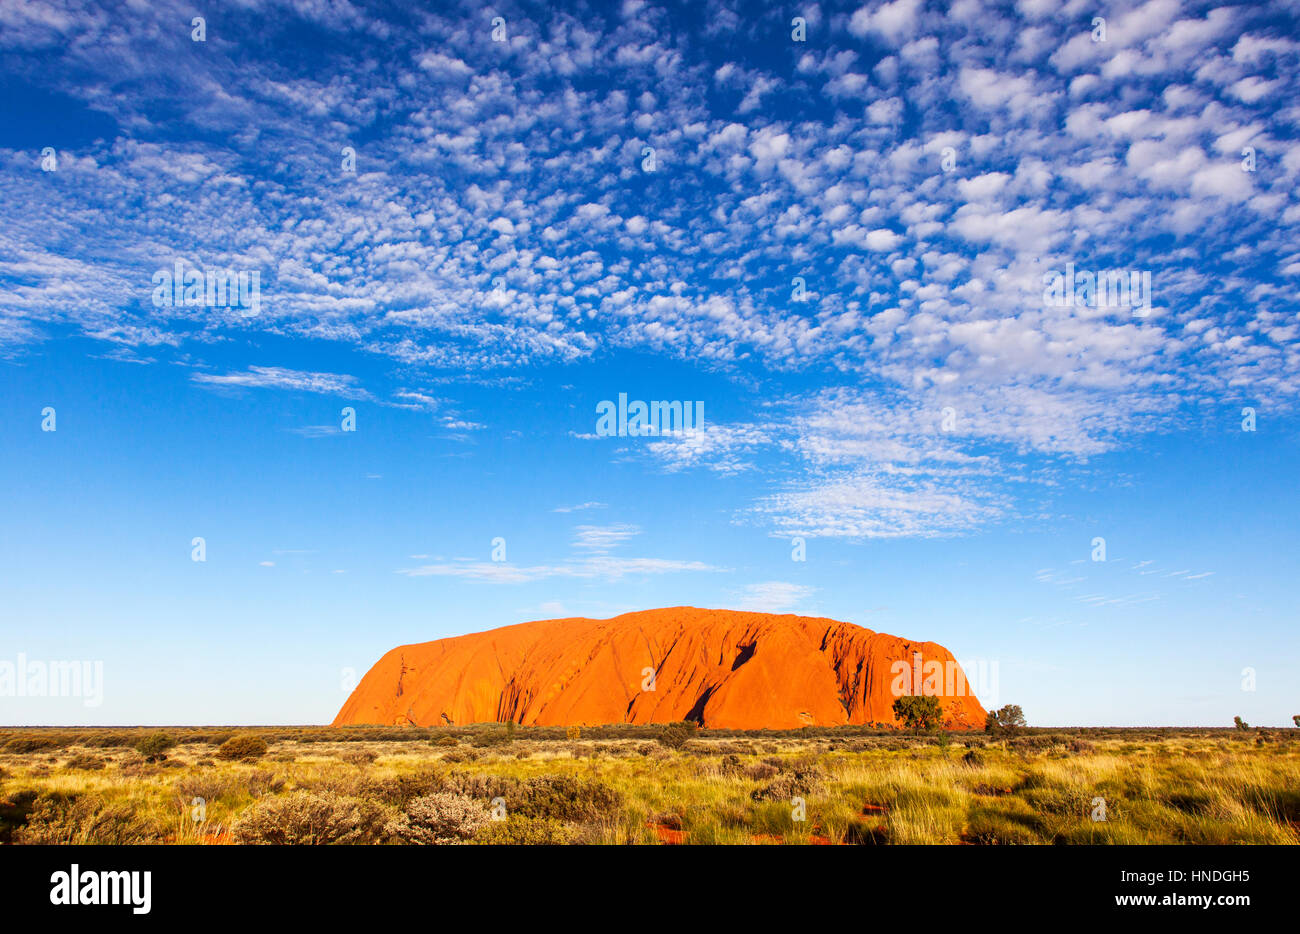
(494, 783)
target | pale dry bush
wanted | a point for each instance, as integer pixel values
(800, 782)
(310, 817)
(439, 818)
(484, 786)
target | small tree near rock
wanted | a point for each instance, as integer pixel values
(919, 714)
(1007, 719)
(675, 735)
(1240, 723)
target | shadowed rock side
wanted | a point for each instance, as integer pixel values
(721, 668)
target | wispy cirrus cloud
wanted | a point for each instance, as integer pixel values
(270, 377)
(773, 596)
(596, 567)
(579, 507)
(600, 539)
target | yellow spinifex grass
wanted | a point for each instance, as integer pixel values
(761, 788)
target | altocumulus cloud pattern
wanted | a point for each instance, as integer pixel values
(501, 212)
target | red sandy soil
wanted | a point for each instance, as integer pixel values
(668, 835)
(671, 836)
(770, 839)
(724, 669)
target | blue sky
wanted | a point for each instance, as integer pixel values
(619, 199)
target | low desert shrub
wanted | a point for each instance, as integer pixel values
(734, 749)
(31, 742)
(1030, 743)
(246, 746)
(109, 739)
(460, 755)
(801, 782)
(485, 787)
(675, 735)
(560, 797)
(401, 790)
(730, 766)
(439, 818)
(359, 757)
(492, 737)
(311, 818)
(565, 798)
(154, 746)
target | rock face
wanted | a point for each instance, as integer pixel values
(721, 668)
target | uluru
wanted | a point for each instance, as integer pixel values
(723, 669)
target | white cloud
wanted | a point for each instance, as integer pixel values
(272, 377)
(441, 64)
(579, 507)
(601, 538)
(773, 596)
(597, 567)
(894, 21)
